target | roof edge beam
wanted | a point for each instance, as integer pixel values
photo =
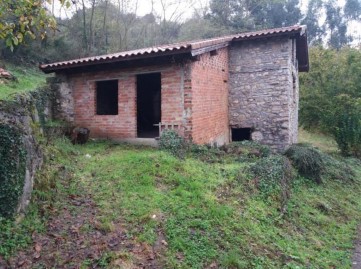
(196, 52)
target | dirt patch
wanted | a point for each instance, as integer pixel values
(76, 239)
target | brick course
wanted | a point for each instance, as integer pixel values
(209, 82)
(123, 125)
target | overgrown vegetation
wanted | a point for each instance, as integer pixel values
(172, 142)
(307, 160)
(28, 79)
(199, 212)
(12, 169)
(330, 97)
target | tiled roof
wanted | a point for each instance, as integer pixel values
(178, 48)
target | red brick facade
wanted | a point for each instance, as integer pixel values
(194, 97)
(124, 125)
(209, 77)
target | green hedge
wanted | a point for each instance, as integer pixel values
(12, 169)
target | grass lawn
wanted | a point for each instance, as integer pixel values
(28, 80)
(199, 214)
(321, 141)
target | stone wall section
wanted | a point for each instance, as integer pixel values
(63, 108)
(209, 98)
(22, 113)
(294, 96)
(263, 93)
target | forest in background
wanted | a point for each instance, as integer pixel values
(108, 26)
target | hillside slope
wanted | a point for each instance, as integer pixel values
(131, 207)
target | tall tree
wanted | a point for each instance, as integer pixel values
(352, 9)
(315, 30)
(337, 25)
(255, 14)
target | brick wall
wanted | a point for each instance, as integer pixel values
(209, 98)
(263, 95)
(124, 125)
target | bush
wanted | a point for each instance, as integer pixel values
(346, 122)
(206, 153)
(248, 150)
(338, 170)
(307, 160)
(12, 169)
(172, 142)
(273, 176)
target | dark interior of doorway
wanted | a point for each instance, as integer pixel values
(148, 105)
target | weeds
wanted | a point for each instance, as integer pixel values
(307, 160)
(158, 198)
(172, 142)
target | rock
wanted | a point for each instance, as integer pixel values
(80, 135)
(4, 74)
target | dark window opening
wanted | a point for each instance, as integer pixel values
(241, 134)
(214, 52)
(107, 97)
(148, 105)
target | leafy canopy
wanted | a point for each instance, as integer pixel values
(23, 19)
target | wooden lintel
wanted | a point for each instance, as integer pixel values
(209, 48)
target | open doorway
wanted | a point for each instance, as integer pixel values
(148, 105)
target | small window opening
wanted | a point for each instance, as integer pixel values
(214, 52)
(241, 134)
(107, 97)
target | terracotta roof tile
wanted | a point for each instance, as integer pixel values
(182, 47)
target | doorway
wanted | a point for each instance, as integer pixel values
(148, 105)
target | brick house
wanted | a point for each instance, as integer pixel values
(231, 88)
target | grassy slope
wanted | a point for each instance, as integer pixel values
(28, 80)
(211, 213)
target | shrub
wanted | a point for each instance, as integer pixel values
(248, 150)
(346, 122)
(12, 169)
(273, 175)
(338, 170)
(307, 160)
(172, 142)
(206, 153)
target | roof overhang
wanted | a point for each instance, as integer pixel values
(186, 49)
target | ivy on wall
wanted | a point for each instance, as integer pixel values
(12, 169)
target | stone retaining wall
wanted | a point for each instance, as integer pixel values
(28, 113)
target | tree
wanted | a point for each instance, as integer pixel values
(352, 9)
(330, 96)
(337, 25)
(242, 15)
(24, 19)
(315, 31)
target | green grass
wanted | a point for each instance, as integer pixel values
(321, 141)
(212, 213)
(152, 192)
(28, 80)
